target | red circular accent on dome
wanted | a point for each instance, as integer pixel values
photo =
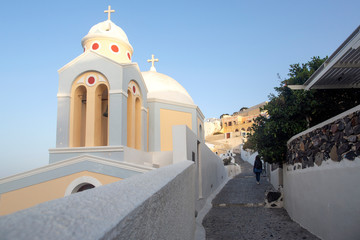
(134, 89)
(91, 80)
(95, 46)
(115, 48)
(128, 55)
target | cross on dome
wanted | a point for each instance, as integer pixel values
(109, 11)
(152, 60)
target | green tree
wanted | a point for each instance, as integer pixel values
(290, 112)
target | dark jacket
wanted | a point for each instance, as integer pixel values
(258, 164)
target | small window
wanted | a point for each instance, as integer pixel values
(86, 187)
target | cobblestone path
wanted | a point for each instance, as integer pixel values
(238, 212)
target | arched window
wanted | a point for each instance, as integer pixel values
(83, 187)
(225, 124)
(236, 130)
(89, 111)
(81, 184)
(79, 119)
(134, 129)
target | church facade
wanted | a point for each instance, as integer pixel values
(113, 122)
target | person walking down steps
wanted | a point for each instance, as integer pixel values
(257, 168)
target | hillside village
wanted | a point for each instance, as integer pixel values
(230, 131)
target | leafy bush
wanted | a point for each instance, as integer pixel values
(291, 112)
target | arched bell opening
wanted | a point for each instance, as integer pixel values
(101, 115)
(79, 119)
(138, 123)
(130, 119)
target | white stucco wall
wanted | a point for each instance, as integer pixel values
(233, 170)
(275, 177)
(248, 156)
(161, 159)
(155, 205)
(210, 170)
(135, 156)
(213, 173)
(325, 199)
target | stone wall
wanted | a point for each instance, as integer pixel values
(336, 140)
(321, 178)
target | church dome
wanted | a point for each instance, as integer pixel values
(163, 87)
(109, 30)
(109, 40)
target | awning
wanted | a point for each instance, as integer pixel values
(340, 70)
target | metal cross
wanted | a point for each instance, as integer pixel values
(109, 11)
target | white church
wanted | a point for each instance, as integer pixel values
(113, 122)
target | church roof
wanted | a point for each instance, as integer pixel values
(163, 87)
(107, 29)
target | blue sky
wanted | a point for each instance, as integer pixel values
(226, 54)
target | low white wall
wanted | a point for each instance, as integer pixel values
(155, 205)
(325, 199)
(233, 170)
(275, 177)
(161, 159)
(132, 155)
(210, 170)
(248, 156)
(213, 173)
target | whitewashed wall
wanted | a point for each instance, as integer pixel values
(248, 156)
(210, 170)
(325, 200)
(276, 178)
(213, 174)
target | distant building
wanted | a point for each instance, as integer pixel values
(212, 125)
(240, 123)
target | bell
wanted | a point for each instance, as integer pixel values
(105, 114)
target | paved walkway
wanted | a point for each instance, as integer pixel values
(238, 212)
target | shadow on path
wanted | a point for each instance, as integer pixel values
(238, 212)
